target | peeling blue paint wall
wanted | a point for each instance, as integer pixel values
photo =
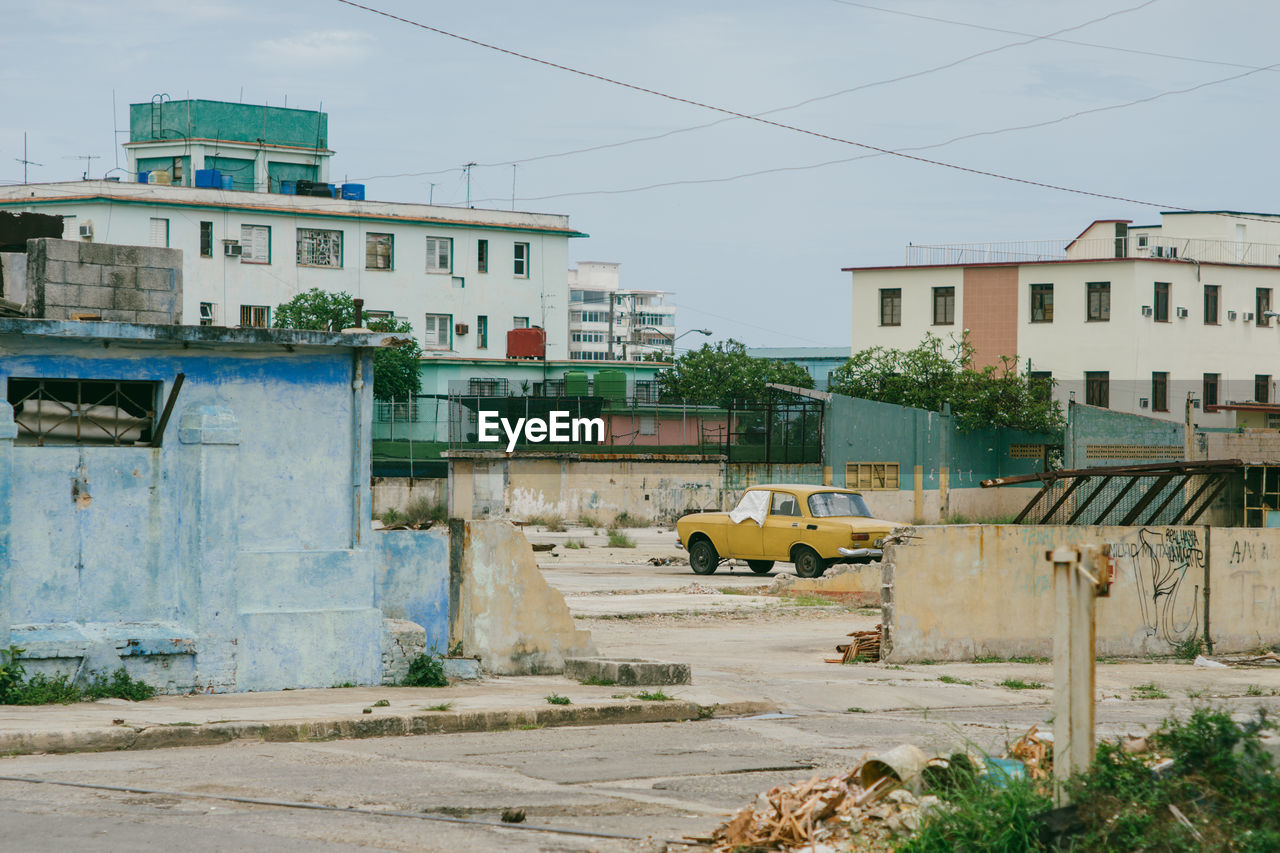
(239, 554)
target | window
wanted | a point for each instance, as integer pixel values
(891, 306)
(520, 262)
(1211, 304)
(837, 505)
(784, 504)
(482, 256)
(1041, 382)
(254, 316)
(519, 322)
(589, 316)
(160, 233)
(177, 170)
(649, 425)
(379, 251)
(1262, 388)
(459, 282)
(944, 306)
(482, 332)
(83, 411)
(437, 334)
(1262, 304)
(1162, 302)
(255, 244)
(206, 239)
(871, 475)
(1042, 303)
(1097, 388)
(439, 254)
(588, 337)
(1209, 394)
(1099, 296)
(319, 248)
(1160, 392)
(208, 314)
(1142, 241)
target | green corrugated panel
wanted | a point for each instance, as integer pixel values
(575, 383)
(611, 384)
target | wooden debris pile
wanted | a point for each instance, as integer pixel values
(1035, 749)
(823, 812)
(865, 647)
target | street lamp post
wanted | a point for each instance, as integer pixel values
(671, 339)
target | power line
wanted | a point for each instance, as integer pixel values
(769, 122)
(858, 88)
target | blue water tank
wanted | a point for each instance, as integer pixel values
(208, 178)
(289, 187)
(228, 182)
(355, 192)
(144, 177)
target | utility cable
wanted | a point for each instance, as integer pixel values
(288, 804)
(858, 88)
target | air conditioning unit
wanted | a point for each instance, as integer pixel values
(1142, 402)
(1146, 310)
(232, 249)
(460, 328)
(1182, 312)
(1248, 316)
(1231, 315)
(86, 231)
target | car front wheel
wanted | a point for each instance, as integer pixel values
(703, 558)
(808, 563)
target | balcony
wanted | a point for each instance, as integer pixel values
(1103, 248)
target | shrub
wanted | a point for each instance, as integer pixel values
(587, 520)
(618, 539)
(575, 544)
(557, 699)
(552, 523)
(424, 511)
(425, 671)
(392, 517)
(1188, 649)
(40, 689)
(626, 519)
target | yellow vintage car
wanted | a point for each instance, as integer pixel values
(812, 527)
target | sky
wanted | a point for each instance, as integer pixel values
(749, 224)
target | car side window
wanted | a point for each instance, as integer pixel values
(784, 504)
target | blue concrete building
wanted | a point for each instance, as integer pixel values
(820, 362)
(196, 501)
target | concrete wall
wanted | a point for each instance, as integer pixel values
(506, 614)
(398, 492)
(1095, 438)
(238, 554)
(962, 591)
(126, 284)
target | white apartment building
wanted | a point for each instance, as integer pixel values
(1131, 317)
(607, 323)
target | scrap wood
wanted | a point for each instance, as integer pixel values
(865, 646)
(1035, 750)
(1269, 657)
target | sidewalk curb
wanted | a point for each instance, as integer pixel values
(123, 737)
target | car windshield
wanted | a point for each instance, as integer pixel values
(829, 504)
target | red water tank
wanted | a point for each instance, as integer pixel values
(527, 343)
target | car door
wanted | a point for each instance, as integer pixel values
(745, 535)
(783, 526)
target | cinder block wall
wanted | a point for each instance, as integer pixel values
(122, 284)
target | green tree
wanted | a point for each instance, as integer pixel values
(395, 369)
(719, 374)
(935, 372)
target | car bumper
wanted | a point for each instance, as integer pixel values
(861, 553)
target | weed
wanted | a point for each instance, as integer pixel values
(424, 511)
(1019, 684)
(926, 662)
(527, 727)
(806, 600)
(626, 519)
(575, 544)
(382, 703)
(1148, 691)
(654, 696)
(425, 671)
(40, 689)
(856, 710)
(595, 532)
(455, 651)
(1188, 649)
(443, 706)
(120, 685)
(894, 666)
(597, 681)
(344, 685)
(1254, 690)
(557, 699)
(618, 539)
(949, 679)
(553, 523)
(706, 712)
(586, 520)
(392, 517)
(1016, 659)
(1196, 694)
(983, 815)
(733, 590)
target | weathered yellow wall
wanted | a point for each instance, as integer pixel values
(962, 591)
(856, 584)
(1244, 588)
(398, 492)
(976, 504)
(506, 613)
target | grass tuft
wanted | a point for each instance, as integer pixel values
(552, 523)
(950, 679)
(557, 699)
(618, 539)
(654, 696)
(626, 519)
(1019, 684)
(1188, 649)
(425, 671)
(575, 544)
(1149, 691)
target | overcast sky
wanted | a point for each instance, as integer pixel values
(757, 258)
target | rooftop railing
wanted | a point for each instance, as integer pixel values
(1102, 248)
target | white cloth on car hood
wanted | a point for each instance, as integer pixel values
(753, 505)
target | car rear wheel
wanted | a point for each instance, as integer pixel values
(703, 558)
(807, 562)
(760, 567)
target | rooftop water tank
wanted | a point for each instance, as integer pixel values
(228, 182)
(611, 384)
(355, 192)
(575, 383)
(208, 178)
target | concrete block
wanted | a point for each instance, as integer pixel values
(628, 672)
(115, 315)
(159, 318)
(464, 669)
(46, 271)
(128, 299)
(117, 276)
(150, 278)
(101, 254)
(56, 250)
(402, 642)
(67, 295)
(158, 256)
(93, 297)
(128, 256)
(159, 300)
(81, 273)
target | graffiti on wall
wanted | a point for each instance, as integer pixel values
(1168, 567)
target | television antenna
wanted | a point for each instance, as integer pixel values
(87, 158)
(23, 159)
